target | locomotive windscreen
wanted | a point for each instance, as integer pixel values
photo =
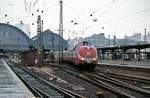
(84, 43)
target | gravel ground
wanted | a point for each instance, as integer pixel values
(72, 83)
(126, 71)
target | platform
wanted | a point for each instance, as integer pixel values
(10, 85)
(119, 63)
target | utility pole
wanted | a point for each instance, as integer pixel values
(0, 14)
(125, 40)
(145, 35)
(52, 48)
(109, 40)
(145, 41)
(52, 36)
(42, 38)
(61, 31)
(39, 46)
(124, 51)
(114, 40)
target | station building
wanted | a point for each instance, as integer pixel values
(50, 41)
(13, 39)
(98, 40)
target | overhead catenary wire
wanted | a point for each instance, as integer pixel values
(128, 15)
(98, 9)
(33, 7)
(82, 17)
(122, 17)
(108, 6)
(30, 8)
(35, 2)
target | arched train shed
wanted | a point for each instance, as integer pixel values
(50, 41)
(13, 39)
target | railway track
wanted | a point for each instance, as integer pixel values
(134, 91)
(128, 77)
(121, 89)
(117, 92)
(40, 87)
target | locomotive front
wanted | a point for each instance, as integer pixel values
(87, 55)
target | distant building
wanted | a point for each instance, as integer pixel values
(134, 39)
(126, 41)
(148, 37)
(98, 40)
(73, 42)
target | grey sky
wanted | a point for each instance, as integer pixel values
(124, 17)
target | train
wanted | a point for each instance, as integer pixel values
(83, 55)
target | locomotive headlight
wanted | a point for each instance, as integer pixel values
(82, 58)
(94, 59)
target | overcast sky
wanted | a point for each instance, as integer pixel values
(120, 17)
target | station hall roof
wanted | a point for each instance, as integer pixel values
(12, 38)
(15, 28)
(142, 46)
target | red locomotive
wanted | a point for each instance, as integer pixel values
(84, 55)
